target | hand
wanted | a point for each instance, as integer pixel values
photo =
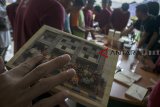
(19, 86)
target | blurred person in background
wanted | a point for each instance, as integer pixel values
(97, 11)
(120, 17)
(109, 5)
(104, 18)
(67, 27)
(156, 43)
(146, 23)
(153, 7)
(4, 29)
(33, 14)
(151, 66)
(77, 20)
(88, 15)
(154, 60)
(11, 12)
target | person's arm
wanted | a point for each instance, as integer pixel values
(54, 17)
(113, 18)
(149, 28)
(152, 41)
(126, 20)
(144, 36)
(127, 31)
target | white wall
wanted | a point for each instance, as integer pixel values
(123, 1)
(10, 1)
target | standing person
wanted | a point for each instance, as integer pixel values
(4, 32)
(11, 12)
(153, 62)
(104, 18)
(97, 11)
(67, 27)
(88, 15)
(77, 18)
(146, 24)
(156, 43)
(37, 13)
(109, 5)
(120, 17)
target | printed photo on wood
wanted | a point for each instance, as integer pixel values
(94, 73)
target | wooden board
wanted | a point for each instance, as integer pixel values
(92, 84)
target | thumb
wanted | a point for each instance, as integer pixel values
(2, 67)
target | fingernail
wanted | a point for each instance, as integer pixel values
(72, 71)
(66, 56)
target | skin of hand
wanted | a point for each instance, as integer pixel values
(19, 86)
(126, 32)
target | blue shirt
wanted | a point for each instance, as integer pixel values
(67, 23)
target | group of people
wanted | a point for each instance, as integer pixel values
(77, 17)
(148, 24)
(74, 16)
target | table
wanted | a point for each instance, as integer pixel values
(118, 90)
